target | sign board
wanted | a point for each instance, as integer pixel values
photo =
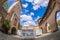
(39, 32)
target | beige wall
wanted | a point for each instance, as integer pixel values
(3, 12)
(14, 14)
(51, 18)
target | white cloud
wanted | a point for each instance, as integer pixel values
(26, 10)
(25, 5)
(29, 23)
(32, 14)
(43, 3)
(37, 18)
(28, 20)
(38, 3)
(35, 7)
(29, 0)
(25, 18)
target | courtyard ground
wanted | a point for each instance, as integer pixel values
(47, 36)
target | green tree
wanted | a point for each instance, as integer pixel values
(49, 27)
(19, 26)
(6, 26)
(58, 22)
(0, 15)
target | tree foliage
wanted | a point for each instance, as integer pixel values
(19, 26)
(0, 15)
(6, 25)
(58, 23)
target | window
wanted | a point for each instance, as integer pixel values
(58, 18)
(15, 22)
(5, 5)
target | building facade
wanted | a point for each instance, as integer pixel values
(13, 15)
(48, 19)
(3, 13)
(50, 16)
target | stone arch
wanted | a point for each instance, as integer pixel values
(50, 15)
(13, 30)
(56, 16)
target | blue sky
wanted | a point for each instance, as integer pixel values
(10, 2)
(31, 11)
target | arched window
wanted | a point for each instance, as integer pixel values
(5, 5)
(58, 18)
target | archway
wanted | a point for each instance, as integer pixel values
(13, 30)
(58, 18)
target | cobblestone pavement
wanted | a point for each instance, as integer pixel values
(52, 36)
